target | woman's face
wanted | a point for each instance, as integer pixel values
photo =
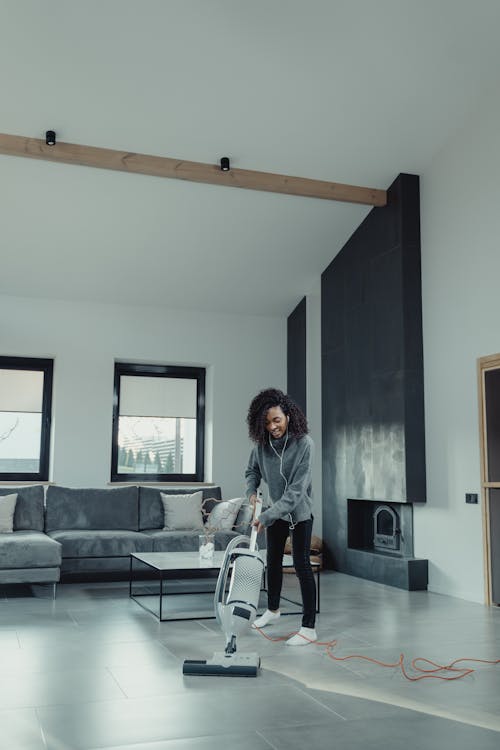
(276, 422)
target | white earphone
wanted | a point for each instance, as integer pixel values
(280, 456)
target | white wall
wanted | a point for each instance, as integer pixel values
(242, 353)
(461, 321)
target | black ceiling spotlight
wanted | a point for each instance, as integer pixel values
(224, 164)
(50, 138)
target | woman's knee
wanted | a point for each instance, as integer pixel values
(303, 568)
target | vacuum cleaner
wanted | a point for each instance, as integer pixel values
(236, 608)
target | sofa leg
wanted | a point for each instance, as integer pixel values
(54, 590)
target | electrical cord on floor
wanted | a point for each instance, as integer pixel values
(422, 672)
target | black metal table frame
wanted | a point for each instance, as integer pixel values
(164, 578)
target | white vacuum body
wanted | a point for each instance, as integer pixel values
(235, 607)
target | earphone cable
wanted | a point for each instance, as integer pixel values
(280, 456)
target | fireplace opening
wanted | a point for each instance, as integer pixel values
(386, 531)
(380, 526)
(380, 544)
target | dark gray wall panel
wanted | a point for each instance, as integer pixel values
(296, 355)
(372, 367)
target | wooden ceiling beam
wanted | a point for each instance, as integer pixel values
(179, 169)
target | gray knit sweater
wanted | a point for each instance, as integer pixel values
(293, 498)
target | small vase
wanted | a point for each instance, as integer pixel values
(206, 547)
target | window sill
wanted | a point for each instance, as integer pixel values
(161, 484)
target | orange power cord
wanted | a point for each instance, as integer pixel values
(422, 672)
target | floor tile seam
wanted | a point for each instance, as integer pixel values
(343, 651)
(115, 680)
(266, 740)
(442, 712)
(79, 704)
(169, 651)
(152, 744)
(40, 727)
(61, 672)
(402, 647)
(217, 735)
(68, 705)
(140, 699)
(362, 641)
(351, 670)
(328, 708)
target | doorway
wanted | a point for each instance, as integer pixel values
(489, 416)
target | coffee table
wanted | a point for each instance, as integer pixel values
(167, 566)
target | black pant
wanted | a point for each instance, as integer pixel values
(277, 535)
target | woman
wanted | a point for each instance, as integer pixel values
(282, 457)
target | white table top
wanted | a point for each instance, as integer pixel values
(191, 560)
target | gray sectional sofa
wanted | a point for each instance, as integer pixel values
(97, 529)
(80, 534)
(28, 555)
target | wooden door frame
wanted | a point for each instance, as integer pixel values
(485, 364)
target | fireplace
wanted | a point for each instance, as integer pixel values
(383, 528)
(380, 544)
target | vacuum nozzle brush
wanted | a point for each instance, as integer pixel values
(224, 665)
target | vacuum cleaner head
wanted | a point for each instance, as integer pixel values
(224, 665)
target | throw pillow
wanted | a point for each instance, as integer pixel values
(7, 510)
(244, 518)
(182, 512)
(223, 515)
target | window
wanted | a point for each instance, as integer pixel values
(25, 413)
(158, 423)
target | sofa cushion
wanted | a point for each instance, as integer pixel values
(223, 515)
(185, 541)
(29, 507)
(92, 509)
(29, 549)
(7, 510)
(104, 543)
(243, 520)
(151, 515)
(182, 512)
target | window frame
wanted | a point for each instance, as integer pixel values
(163, 371)
(47, 367)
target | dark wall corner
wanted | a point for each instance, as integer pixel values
(296, 355)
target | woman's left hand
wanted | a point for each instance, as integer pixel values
(258, 524)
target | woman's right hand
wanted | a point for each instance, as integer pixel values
(253, 500)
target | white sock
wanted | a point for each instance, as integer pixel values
(268, 618)
(303, 637)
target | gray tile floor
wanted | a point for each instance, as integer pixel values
(93, 670)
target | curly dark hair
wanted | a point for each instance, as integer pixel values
(260, 405)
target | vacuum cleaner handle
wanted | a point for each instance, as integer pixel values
(257, 510)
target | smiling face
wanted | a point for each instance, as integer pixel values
(276, 422)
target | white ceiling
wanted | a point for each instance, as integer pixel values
(353, 91)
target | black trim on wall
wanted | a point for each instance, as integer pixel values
(296, 355)
(47, 367)
(161, 371)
